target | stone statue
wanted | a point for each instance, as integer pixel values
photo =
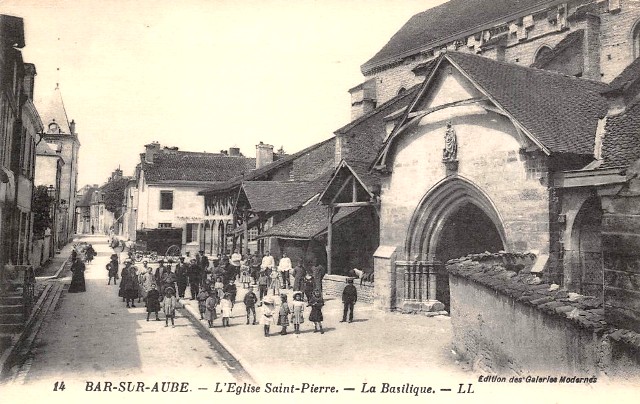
(450, 151)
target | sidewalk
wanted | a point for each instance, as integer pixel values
(377, 346)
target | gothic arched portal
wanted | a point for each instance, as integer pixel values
(455, 218)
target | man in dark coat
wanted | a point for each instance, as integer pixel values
(193, 273)
(182, 277)
(349, 298)
(318, 274)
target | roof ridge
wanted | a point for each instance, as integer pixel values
(377, 109)
(533, 69)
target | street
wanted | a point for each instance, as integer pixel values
(92, 336)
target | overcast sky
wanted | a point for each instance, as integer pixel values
(202, 75)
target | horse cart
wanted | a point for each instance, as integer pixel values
(152, 244)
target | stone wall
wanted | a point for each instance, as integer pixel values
(506, 321)
(333, 285)
(621, 254)
(614, 46)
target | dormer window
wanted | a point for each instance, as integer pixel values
(54, 128)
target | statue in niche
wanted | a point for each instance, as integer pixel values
(450, 151)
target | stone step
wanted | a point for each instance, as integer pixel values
(11, 318)
(9, 328)
(11, 308)
(11, 299)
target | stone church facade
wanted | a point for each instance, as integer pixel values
(520, 136)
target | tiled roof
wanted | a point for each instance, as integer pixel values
(453, 18)
(629, 75)
(363, 137)
(256, 174)
(307, 223)
(275, 196)
(560, 111)
(197, 167)
(621, 145)
(572, 40)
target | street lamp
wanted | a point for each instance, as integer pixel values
(51, 192)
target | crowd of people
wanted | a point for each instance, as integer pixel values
(213, 286)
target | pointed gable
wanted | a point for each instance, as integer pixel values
(52, 111)
(559, 113)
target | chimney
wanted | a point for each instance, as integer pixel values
(150, 151)
(72, 127)
(29, 79)
(234, 151)
(264, 154)
(363, 98)
(591, 50)
(117, 173)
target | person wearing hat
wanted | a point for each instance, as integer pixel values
(231, 289)
(297, 311)
(268, 312)
(284, 267)
(159, 272)
(235, 264)
(182, 277)
(169, 278)
(316, 303)
(112, 268)
(309, 285)
(209, 305)
(193, 273)
(169, 304)
(263, 283)
(250, 300)
(349, 298)
(153, 301)
(129, 284)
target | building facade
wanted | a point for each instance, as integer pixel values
(61, 132)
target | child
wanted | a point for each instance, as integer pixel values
(316, 302)
(232, 291)
(219, 286)
(297, 317)
(263, 281)
(153, 301)
(267, 314)
(169, 304)
(283, 315)
(202, 299)
(250, 300)
(226, 307)
(210, 308)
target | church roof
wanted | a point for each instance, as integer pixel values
(183, 166)
(624, 80)
(51, 109)
(448, 21)
(560, 111)
(621, 144)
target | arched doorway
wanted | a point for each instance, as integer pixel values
(454, 219)
(586, 238)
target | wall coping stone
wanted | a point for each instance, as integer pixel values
(510, 274)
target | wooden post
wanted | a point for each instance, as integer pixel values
(245, 230)
(329, 238)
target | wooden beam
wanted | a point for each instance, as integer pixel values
(329, 238)
(447, 105)
(342, 187)
(354, 191)
(352, 204)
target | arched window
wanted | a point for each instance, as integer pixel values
(542, 52)
(635, 39)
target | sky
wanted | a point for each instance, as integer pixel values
(202, 75)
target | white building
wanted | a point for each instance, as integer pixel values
(168, 183)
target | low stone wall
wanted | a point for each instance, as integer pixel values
(506, 321)
(333, 285)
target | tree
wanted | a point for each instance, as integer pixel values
(41, 208)
(113, 192)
